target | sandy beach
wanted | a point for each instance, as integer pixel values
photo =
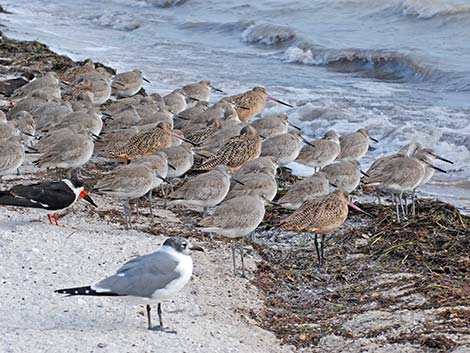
(386, 287)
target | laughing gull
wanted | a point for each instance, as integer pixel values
(51, 196)
(147, 279)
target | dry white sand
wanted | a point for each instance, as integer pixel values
(211, 314)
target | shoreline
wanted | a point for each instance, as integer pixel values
(363, 316)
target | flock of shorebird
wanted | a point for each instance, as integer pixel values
(64, 120)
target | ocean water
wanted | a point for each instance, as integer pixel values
(398, 67)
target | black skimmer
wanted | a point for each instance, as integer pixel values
(51, 196)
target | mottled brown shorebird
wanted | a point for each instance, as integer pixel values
(321, 215)
(314, 186)
(320, 152)
(355, 145)
(236, 151)
(144, 143)
(235, 219)
(251, 103)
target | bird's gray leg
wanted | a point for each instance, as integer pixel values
(211, 237)
(413, 207)
(163, 190)
(150, 204)
(233, 257)
(48, 173)
(397, 210)
(18, 171)
(159, 312)
(149, 317)
(378, 197)
(242, 257)
(405, 199)
(69, 173)
(318, 252)
(127, 213)
(137, 207)
(322, 246)
(400, 197)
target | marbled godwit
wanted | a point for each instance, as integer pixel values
(127, 84)
(321, 215)
(258, 164)
(320, 152)
(200, 136)
(271, 125)
(283, 148)
(345, 175)
(262, 183)
(251, 103)
(200, 90)
(11, 155)
(234, 219)
(204, 190)
(236, 151)
(355, 145)
(314, 186)
(176, 101)
(144, 143)
(180, 158)
(128, 182)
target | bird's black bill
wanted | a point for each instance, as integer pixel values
(442, 158)
(364, 173)
(308, 143)
(171, 166)
(241, 107)
(238, 181)
(27, 133)
(164, 179)
(373, 139)
(280, 102)
(146, 80)
(181, 117)
(295, 126)
(185, 140)
(438, 169)
(96, 137)
(197, 248)
(217, 90)
(194, 99)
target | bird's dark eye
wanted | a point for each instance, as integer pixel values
(184, 245)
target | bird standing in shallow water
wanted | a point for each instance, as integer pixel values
(147, 279)
(321, 215)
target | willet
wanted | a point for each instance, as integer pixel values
(127, 182)
(67, 151)
(144, 143)
(51, 196)
(200, 90)
(321, 215)
(308, 189)
(251, 103)
(400, 175)
(320, 152)
(355, 145)
(125, 118)
(184, 118)
(345, 175)
(90, 120)
(176, 101)
(158, 162)
(180, 158)
(11, 155)
(235, 219)
(127, 84)
(147, 279)
(272, 125)
(205, 190)
(49, 79)
(262, 183)
(258, 164)
(283, 148)
(236, 151)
